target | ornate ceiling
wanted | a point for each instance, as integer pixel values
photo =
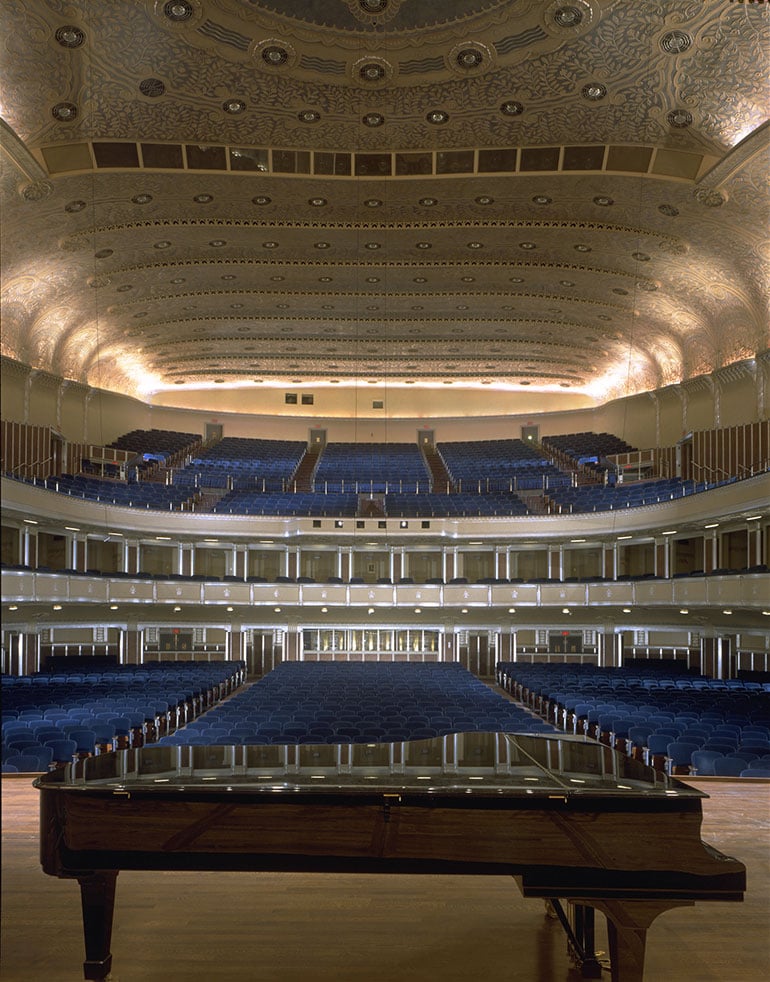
(565, 195)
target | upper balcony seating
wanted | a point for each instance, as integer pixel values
(448, 505)
(372, 467)
(158, 497)
(587, 447)
(335, 504)
(244, 463)
(155, 441)
(499, 465)
(590, 498)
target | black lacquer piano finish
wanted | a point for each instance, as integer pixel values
(570, 820)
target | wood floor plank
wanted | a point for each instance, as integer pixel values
(360, 928)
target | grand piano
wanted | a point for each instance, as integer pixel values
(581, 826)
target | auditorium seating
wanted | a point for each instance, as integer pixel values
(244, 464)
(161, 443)
(499, 465)
(376, 702)
(59, 716)
(587, 448)
(656, 711)
(591, 498)
(372, 468)
(136, 494)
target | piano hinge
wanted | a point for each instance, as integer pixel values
(388, 800)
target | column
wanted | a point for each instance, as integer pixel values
(131, 646)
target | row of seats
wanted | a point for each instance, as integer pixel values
(100, 711)
(317, 702)
(662, 714)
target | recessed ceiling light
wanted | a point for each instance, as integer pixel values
(684, 610)
(15, 607)
(229, 609)
(511, 610)
(727, 612)
(113, 606)
(177, 609)
(58, 607)
(277, 610)
(565, 610)
(626, 610)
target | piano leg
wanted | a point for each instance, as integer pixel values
(97, 895)
(627, 924)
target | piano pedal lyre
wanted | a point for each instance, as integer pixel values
(579, 928)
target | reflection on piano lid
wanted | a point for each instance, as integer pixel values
(468, 763)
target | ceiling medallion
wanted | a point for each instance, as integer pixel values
(373, 202)
(437, 117)
(317, 202)
(527, 245)
(178, 10)
(542, 199)
(428, 202)
(373, 119)
(469, 58)
(234, 106)
(273, 54)
(267, 245)
(163, 244)
(680, 119)
(261, 199)
(374, 12)
(217, 243)
(203, 199)
(152, 88)
(511, 108)
(308, 116)
(568, 16)
(475, 245)
(141, 199)
(641, 257)
(65, 112)
(74, 206)
(467, 279)
(669, 210)
(603, 201)
(675, 42)
(371, 71)
(484, 199)
(70, 36)
(594, 91)
(583, 248)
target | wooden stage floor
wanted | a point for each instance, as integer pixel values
(262, 927)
